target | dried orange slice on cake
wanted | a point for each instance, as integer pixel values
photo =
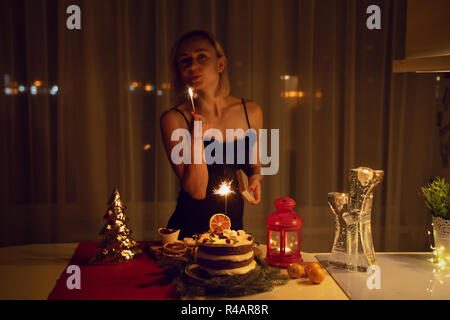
(219, 222)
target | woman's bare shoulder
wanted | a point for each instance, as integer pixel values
(255, 112)
(173, 118)
(249, 104)
(252, 106)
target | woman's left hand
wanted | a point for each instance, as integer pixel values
(255, 187)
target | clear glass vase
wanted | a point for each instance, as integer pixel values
(353, 245)
(339, 206)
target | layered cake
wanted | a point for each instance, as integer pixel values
(225, 252)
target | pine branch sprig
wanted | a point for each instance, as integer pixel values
(263, 278)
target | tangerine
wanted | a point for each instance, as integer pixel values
(295, 270)
(316, 275)
(310, 266)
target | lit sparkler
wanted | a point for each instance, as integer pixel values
(191, 95)
(224, 190)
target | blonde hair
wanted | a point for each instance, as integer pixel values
(177, 85)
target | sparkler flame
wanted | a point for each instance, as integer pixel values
(191, 95)
(224, 189)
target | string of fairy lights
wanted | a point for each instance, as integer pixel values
(39, 87)
(136, 86)
(36, 87)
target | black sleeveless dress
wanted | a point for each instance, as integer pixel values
(192, 216)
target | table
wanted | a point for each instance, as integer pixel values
(31, 272)
(400, 276)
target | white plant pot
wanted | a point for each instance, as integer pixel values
(441, 233)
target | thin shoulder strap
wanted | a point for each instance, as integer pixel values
(187, 122)
(246, 115)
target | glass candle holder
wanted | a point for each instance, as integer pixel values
(339, 206)
(363, 182)
(353, 245)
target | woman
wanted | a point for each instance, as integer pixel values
(199, 61)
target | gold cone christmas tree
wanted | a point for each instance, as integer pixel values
(117, 245)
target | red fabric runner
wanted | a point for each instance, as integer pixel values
(138, 279)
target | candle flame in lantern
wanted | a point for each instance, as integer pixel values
(224, 189)
(285, 249)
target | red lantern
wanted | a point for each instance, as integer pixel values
(283, 234)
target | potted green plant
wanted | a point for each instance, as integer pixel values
(437, 200)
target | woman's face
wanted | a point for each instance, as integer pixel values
(198, 63)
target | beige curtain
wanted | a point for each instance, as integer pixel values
(319, 74)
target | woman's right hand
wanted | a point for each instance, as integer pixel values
(201, 130)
